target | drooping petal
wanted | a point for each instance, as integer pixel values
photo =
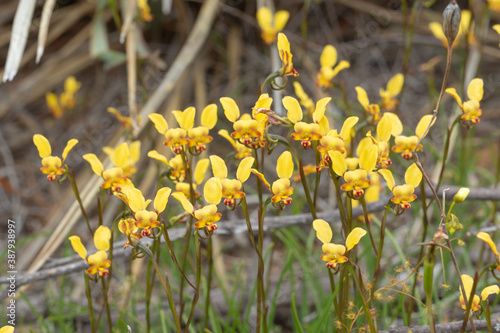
(468, 281)
(454, 94)
(389, 178)
(43, 145)
(493, 289)
(319, 112)
(231, 109)
(212, 191)
(328, 57)
(244, 167)
(475, 90)
(323, 230)
(362, 97)
(294, 111)
(71, 143)
(161, 199)
(423, 124)
(413, 175)
(338, 162)
(487, 239)
(157, 156)
(77, 245)
(354, 236)
(101, 238)
(368, 158)
(397, 126)
(284, 167)
(384, 128)
(209, 116)
(345, 132)
(136, 200)
(218, 167)
(159, 121)
(188, 207)
(200, 170)
(262, 178)
(94, 162)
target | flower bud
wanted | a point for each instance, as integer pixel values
(461, 195)
(451, 21)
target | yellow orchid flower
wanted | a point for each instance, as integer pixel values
(407, 144)
(207, 216)
(281, 188)
(372, 109)
(125, 121)
(270, 25)
(468, 282)
(125, 156)
(334, 141)
(145, 219)
(242, 151)
(487, 239)
(99, 262)
(494, 5)
(403, 194)
(52, 165)
(393, 88)
(471, 109)
(145, 10)
(66, 101)
(335, 253)
(356, 180)
(231, 188)
(286, 56)
(305, 132)
(327, 61)
(199, 176)
(114, 178)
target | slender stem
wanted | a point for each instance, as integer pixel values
(196, 295)
(361, 289)
(210, 260)
(446, 151)
(106, 304)
(306, 189)
(332, 288)
(340, 205)
(89, 303)
(381, 247)
(367, 223)
(77, 195)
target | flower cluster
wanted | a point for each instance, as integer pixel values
(66, 101)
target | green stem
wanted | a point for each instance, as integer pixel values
(446, 151)
(367, 224)
(361, 289)
(210, 260)
(428, 282)
(196, 295)
(89, 303)
(380, 247)
(77, 195)
(106, 304)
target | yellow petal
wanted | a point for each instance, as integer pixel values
(136, 200)
(264, 18)
(487, 239)
(362, 97)
(395, 84)
(231, 109)
(225, 134)
(328, 56)
(323, 230)
(475, 90)
(262, 178)
(159, 121)
(201, 170)
(283, 45)
(437, 31)
(43, 145)
(368, 158)
(333, 249)
(363, 145)
(161, 199)
(77, 245)
(496, 27)
(284, 167)
(209, 116)
(453, 93)
(389, 178)
(7, 329)
(157, 156)
(101, 238)
(188, 207)
(354, 237)
(341, 66)
(71, 143)
(134, 151)
(319, 112)
(397, 126)
(94, 162)
(280, 19)
(345, 132)
(212, 191)
(120, 155)
(218, 167)
(244, 167)
(294, 111)
(423, 124)
(493, 289)
(413, 175)
(338, 162)
(71, 85)
(468, 281)
(324, 126)
(185, 118)
(384, 128)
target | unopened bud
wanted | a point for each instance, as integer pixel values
(461, 195)
(451, 21)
